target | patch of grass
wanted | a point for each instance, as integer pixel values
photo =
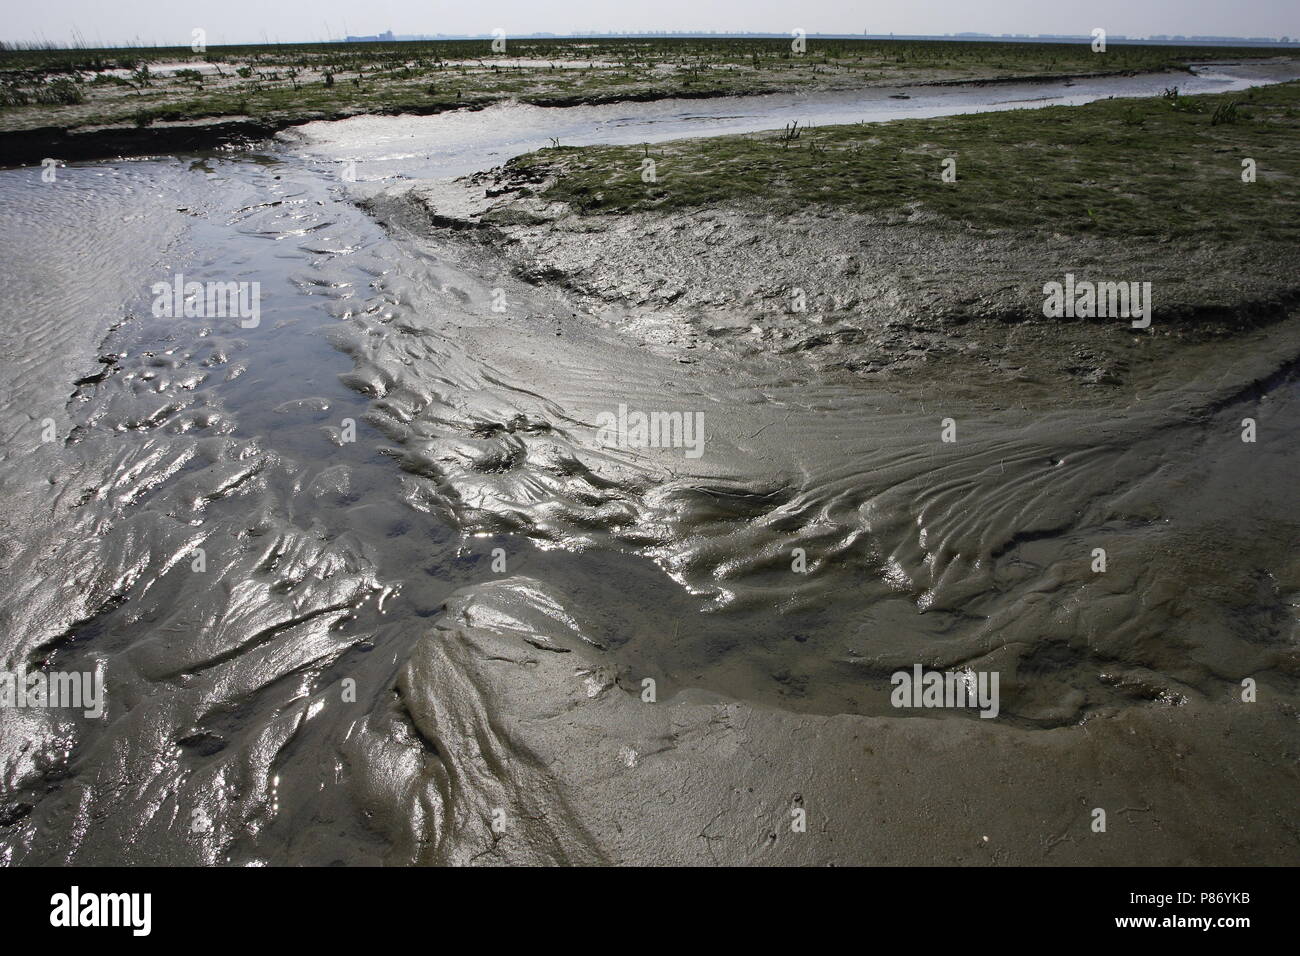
(1145, 167)
(59, 92)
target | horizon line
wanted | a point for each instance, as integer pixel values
(388, 36)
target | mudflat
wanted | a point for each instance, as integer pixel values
(579, 510)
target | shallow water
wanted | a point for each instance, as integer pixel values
(454, 144)
(204, 434)
(227, 738)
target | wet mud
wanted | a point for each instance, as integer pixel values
(432, 591)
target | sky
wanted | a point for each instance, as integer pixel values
(171, 22)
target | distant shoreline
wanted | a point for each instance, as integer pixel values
(29, 147)
(76, 106)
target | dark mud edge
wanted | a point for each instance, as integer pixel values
(28, 147)
(1045, 77)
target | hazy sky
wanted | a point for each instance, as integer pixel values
(170, 22)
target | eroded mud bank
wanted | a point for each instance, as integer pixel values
(870, 294)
